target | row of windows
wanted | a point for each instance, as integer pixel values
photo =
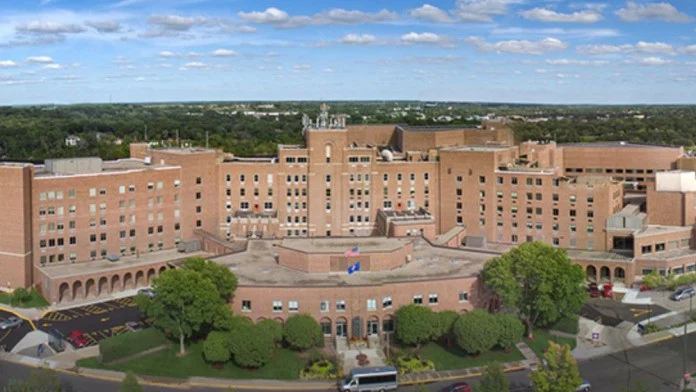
(411, 176)
(594, 170)
(533, 196)
(539, 226)
(340, 305)
(295, 159)
(363, 159)
(661, 247)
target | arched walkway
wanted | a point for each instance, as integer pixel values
(605, 273)
(64, 292)
(77, 290)
(90, 288)
(150, 274)
(139, 278)
(127, 281)
(115, 283)
(591, 272)
(619, 273)
(103, 287)
(325, 323)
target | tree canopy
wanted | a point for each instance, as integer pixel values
(493, 379)
(416, 324)
(538, 281)
(476, 331)
(559, 372)
(40, 380)
(302, 332)
(251, 346)
(224, 280)
(130, 383)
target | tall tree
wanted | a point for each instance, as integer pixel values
(224, 280)
(538, 281)
(186, 301)
(416, 324)
(559, 371)
(494, 379)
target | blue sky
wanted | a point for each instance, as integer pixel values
(553, 51)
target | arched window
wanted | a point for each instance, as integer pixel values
(327, 150)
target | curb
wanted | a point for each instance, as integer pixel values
(31, 323)
(465, 376)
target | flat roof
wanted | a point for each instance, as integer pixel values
(581, 254)
(651, 230)
(435, 128)
(340, 245)
(476, 148)
(257, 266)
(670, 254)
(615, 145)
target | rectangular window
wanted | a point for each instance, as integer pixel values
(324, 306)
(246, 305)
(482, 179)
(463, 296)
(293, 306)
(386, 302)
(432, 299)
(418, 299)
(371, 304)
(277, 306)
(340, 304)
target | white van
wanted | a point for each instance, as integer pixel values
(375, 379)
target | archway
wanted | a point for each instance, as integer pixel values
(127, 281)
(139, 278)
(591, 272)
(162, 269)
(63, 291)
(77, 290)
(115, 280)
(342, 327)
(325, 323)
(605, 273)
(102, 287)
(90, 288)
(280, 320)
(260, 319)
(373, 326)
(619, 273)
(150, 274)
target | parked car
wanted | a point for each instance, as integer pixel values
(147, 292)
(133, 326)
(682, 293)
(11, 322)
(608, 291)
(593, 289)
(77, 339)
(457, 387)
(584, 387)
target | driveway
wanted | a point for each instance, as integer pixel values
(96, 321)
(612, 312)
(10, 337)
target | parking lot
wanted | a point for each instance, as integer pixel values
(10, 337)
(96, 322)
(613, 312)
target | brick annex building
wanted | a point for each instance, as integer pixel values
(435, 202)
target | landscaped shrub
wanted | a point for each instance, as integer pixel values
(251, 347)
(216, 347)
(127, 344)
(273, 328)
(302, 332)
(568, 324)
(412, 364)
(319, 369)
(510, 330)
(476, 331)
(416, 325)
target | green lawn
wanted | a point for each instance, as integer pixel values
(541, 341)
(34, 300)
(455, 358)
(285, 365)
(127, 344)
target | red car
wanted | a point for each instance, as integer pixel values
(457, 387)
(593, 289)
(77, 339)
(608, 291)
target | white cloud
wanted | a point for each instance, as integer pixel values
(223, 53)
(515, 32)
(105, 26)
(431, 13)
(640, 47)
(281, 19)
(7, 64)
(358, 39)
(39, 59)
(634, 12)
(650, 61)
(328, 70)
(52, 67)
(302, 67)
(163, 65)
(47, 27)
(194, 65)
(547, 15)
(194, 55)
(575, 62)
(171, 25)
(690, 50)
(427, 39)
(433, 60)
(481, 10)
(519, 46)
(167, 54)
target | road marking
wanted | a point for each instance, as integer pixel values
(31, 323)
(56, 316)
(6, 334)
(104, 319)
(93, 309)
(44, 325)
(102, 334)
(640, 312)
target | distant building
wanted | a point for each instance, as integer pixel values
(73, 141)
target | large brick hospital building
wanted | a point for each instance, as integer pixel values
(435, 202)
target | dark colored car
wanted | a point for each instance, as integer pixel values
(77, 339)
(457, 387)
(608, 291)
(593, 290)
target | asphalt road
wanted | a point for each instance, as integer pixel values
(611, 312)
(657, 368)
(96, 322)
(9, 338)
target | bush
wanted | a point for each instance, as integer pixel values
(216, 347)
(319, 369)
(130, 384)
(302, 332)
(410, 364)
(476, 331)
(445, 322)
(273, 328)
(127, 344)
(651, 328)
(416, 324)
(510, 330)
(251, 347)
(19, 296)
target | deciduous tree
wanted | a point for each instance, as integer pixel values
(476, 331)
(40, 380)
(273, 328)
(538, 281)
(216, 347)
(224, 280)
(301, 331)
(251, 346)
(416, 325)
(494, 379)
(559, 372)
(510, 330)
